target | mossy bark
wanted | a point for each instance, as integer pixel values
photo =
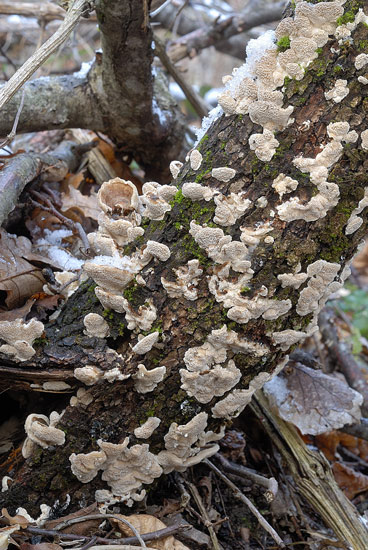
(117, 409)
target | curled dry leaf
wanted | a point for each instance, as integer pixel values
(18, 277)
(313, 401)
(148, 524)
(86, 204)
(18, 519)
(40, 546)
(5, 536)
(350, 481)
(328, 443)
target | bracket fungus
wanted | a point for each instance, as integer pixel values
(41, 431)
(19, 337)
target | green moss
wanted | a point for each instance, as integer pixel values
(202, 174)
(178, 198)
(108, 314)
(283, 43)
(348, 17)
(362, 45)
(287, 79)
(177, 225)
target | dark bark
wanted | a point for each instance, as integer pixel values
(117, 409)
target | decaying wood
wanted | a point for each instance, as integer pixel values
(313, 477)
(116, 409)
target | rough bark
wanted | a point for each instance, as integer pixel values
(118, 96)
(117, 409)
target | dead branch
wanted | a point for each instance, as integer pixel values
(313, 477)
(194, 42)
(23, 168)
(43, 53)
(41, 10)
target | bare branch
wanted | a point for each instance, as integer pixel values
(192, 43)
(43, 53)
(43, 10)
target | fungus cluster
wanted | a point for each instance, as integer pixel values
(328, 192)
(206, 375)
(41, 431)
(19, 337)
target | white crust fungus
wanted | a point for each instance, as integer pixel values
(328, 195)
(145, 344)
(89, 374)
(186, 283)
(355, 221)
(287, 338)
(195, 159)
(175, 167)
(242, 309)
(223, 173)
(361, 61)
(183, 444)
(234, 403)
(264, 145)
(321, 284)
(364, 138)
(41, 431)
(96, 326)
(204, 386)
(125, 469)
(157, 250)
(146, 430)
(229, 209)
(204, 377)
(19, 337)
(284, 184)
(196, 191)
(147, 380)
(338, 92)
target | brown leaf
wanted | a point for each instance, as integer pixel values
(86, 204)
(86, 527)
(40, 546)
(350, 481)
(313, 401)
(148, 524)
(5, 538)
(18, 277)
(328, 443)
(15, 520)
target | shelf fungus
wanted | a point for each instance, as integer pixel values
(96, 326)
(146, 430)
(41, 431)
(147, 380)
(19, 337)
(187, 444)
(187, 278)
(236, 401)
(328, 192)
(124, 468)
(146, 343)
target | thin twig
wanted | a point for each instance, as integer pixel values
(207, 522)
(154, 535)
(270, 483)
(9, 138)
(49, 207)
(71, 521)
(194, 99)
(239, 495)
(43, 53)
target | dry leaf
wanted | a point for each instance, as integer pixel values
(40, 546)
(86, 204)
(19, 520)
(148, 524)
(313, 401)
(18, 278)
(87, 527)
(5, 536)
(350, 481)
(328, 443)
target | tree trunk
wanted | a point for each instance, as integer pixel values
(247, 304)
